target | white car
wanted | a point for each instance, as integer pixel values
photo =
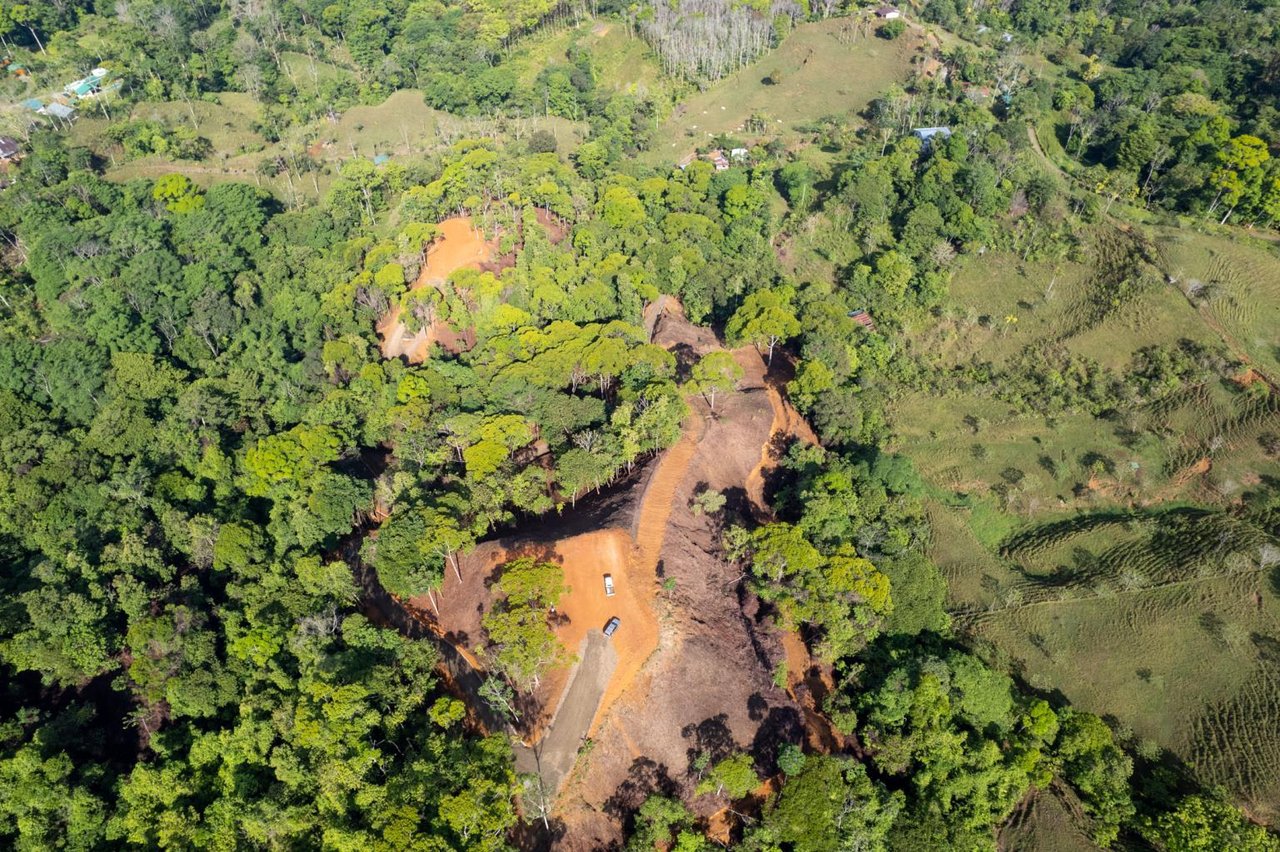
(608, 585)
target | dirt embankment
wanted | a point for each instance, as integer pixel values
(691, 670)
(459, 245)
(708, 689)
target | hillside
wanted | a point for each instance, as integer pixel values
(539, 425)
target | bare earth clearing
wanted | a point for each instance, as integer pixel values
(691, 668)
(460, 245)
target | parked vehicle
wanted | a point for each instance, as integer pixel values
(608, 585)
(611, 626)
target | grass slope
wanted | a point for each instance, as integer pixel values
(1092, 577)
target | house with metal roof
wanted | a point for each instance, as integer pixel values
(61, 111)
(928, 134)
(86, 87)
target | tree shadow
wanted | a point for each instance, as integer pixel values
(756, 707)
(645, 778)
(738, 506)
(711, 737)
(686, 357)
(536, 836)
(783, 726)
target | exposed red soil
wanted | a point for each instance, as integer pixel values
(557, 229)
(696, 656)
(585, 559)
(459, 245)
(709, 687)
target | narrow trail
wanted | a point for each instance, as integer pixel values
(655, 507)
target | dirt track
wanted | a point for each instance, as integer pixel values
(708, 689)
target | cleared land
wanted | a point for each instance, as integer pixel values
(401, 127)
(458, 245)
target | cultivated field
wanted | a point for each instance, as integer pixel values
(1110, 559)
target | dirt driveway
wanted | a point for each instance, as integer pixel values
(554, 755)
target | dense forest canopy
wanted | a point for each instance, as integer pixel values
(210, 478)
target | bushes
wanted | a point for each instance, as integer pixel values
(890, 30)
(141, 138)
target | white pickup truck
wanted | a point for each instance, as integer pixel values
(608, 585)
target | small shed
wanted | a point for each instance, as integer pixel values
(888, 13)
(862, 318)
(9, 148)
(738, 155)
(928, 134)
(33, 104)
(60, 111)
(686, 160)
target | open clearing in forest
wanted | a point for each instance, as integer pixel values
(459, 244)
(402, 127)
(822, 68)
(695, 660)
(1174, 633)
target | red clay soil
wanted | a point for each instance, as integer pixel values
(709, 686)
(787, 423)
(459, 245)
(695, 656)
(557, 229)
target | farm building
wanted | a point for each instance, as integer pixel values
(9, 149)
(718, 159)
(863, 319)
(738, 155)
(927, 135)
(888, 13)
(86, 87)
(60, 111)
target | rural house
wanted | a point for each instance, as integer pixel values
(718, 159)
(86, 87)
(9, 149)
(863, 319)
(926, 135)
(888, 13)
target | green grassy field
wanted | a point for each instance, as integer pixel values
(622, 62)
(1105, 557)
(820, 69)
(402, 126)
(1052, 820)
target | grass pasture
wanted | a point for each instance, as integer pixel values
(1235, 284)
(1052, 819)
(819, 69)
(402, 126)
(1169, 624)
(1108, 558)
(622, 63)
